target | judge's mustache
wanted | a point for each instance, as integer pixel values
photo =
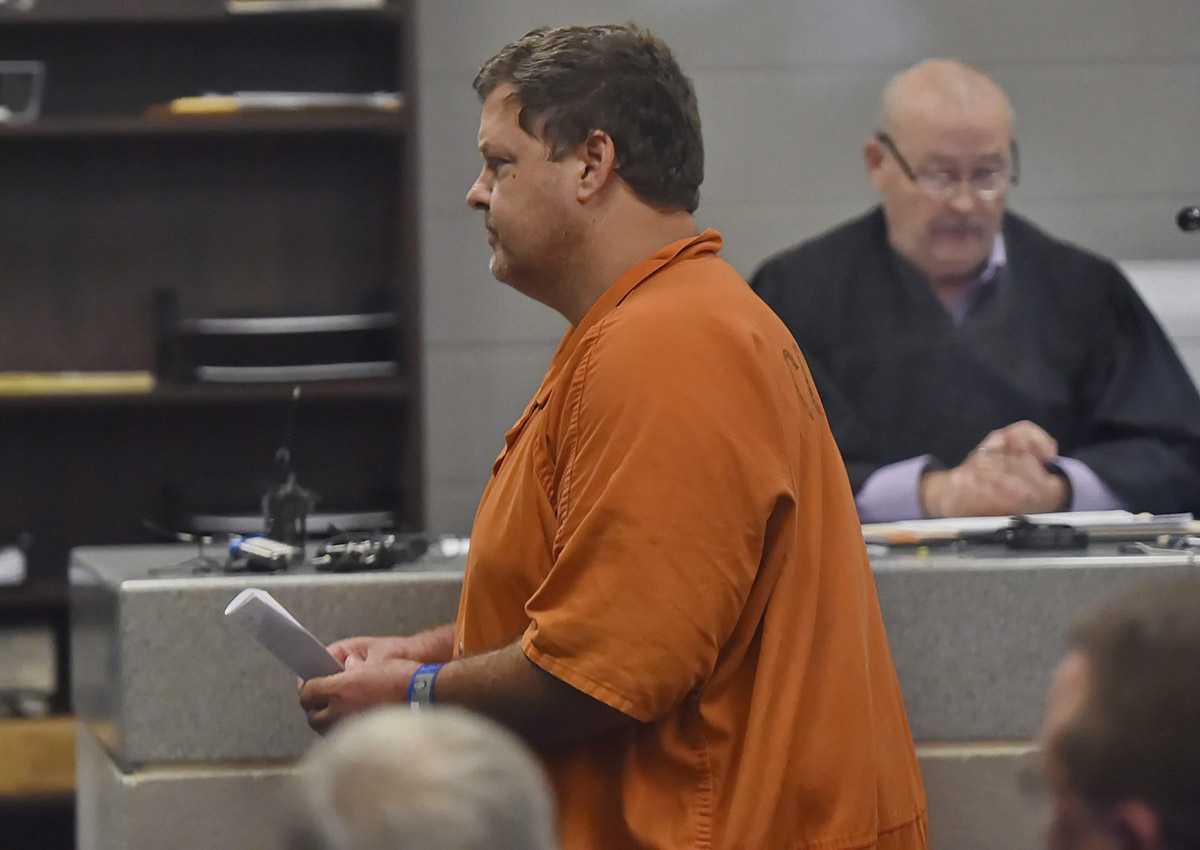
(959, 222)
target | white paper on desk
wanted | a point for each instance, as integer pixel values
(236, 7)
(257, 612)
(985, 524)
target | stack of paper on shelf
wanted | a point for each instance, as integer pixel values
(66, 383)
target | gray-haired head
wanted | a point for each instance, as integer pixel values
(437, 779)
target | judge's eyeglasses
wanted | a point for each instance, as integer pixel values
(987, 184)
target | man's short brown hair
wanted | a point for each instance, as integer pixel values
(1137, 735)
(621, 80)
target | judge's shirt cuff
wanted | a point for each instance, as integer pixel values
(1088, 492)
(891, 492)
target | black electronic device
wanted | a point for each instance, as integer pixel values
(1188, 219)
(253, 349)
(285, 510)
(353, 552)
(1023, 533)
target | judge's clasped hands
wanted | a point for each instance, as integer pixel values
(1010, 472)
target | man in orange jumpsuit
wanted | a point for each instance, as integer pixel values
(667, 591)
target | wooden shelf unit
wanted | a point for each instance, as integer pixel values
(107, 203)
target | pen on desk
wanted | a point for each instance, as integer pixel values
(909, 537)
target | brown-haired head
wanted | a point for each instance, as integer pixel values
(621, 80)
(1135, 737)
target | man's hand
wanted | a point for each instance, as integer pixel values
(330, 699)
(430, 646)
(1021, 438)
(375, 650)
(1005, 474)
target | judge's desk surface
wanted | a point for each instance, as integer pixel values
(189, 728)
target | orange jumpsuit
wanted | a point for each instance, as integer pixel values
(670, 529)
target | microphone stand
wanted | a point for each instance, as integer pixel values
(286, 507)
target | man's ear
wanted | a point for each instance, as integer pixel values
(598, 159)
(873, 157)
(1139, 822)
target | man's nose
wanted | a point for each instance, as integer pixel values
(962, 196)
(479, 195)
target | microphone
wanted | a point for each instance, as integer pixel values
(286, 506)
(1188, 219)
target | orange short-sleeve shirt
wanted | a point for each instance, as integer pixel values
(669, 529)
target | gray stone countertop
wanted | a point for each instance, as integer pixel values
(171, 563)
(975, 634)
(961, 556)
(977, 631)
(162, 677)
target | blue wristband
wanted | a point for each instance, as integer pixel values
(420, 686)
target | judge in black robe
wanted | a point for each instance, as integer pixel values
(1058, 337)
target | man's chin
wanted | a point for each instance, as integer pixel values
(970, 260)
(498, 268)
(504, 272)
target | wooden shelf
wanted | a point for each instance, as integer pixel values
(168, 11)
(299, 122)
(379, 389)
(37, 757)
(34, 598)
(382, 389)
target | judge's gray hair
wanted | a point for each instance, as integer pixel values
(437, 779)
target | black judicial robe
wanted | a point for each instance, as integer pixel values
(1061, 339)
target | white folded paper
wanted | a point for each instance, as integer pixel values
(257, 612)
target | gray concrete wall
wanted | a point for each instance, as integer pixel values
(1107, 94)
